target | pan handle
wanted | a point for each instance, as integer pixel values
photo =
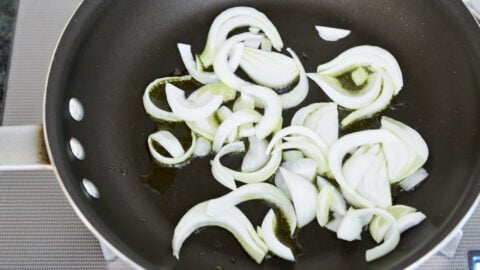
(23, 148)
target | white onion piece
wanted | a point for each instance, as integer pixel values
(324, 200)
(297, 130)
(223, 113)
(299, 117)
(414, 179)
(191, 111)
(251, 43)
(213, 89)
(303, 194)
(375, 184)
(410, 220)
(231, 124)
(296, 95)
(255, 158)
(377, 105)
(342, 147)
(270, 69)
(332, 33)
(369, 56)
(351, 227)
(205, 127)
(231, 219)
(414, 144)
(221, 173)
(355, 167)
(335, 222)
(305, 167)
(221, 65)
(292, 155)
(311, 150)
(338, 204)
(204, 77)
(379, 227)
(202, 148)
(266, 44)
(272, 116)
(151, 108)
(160, 138)
(236, 56)
(234, 18)
(261, 174)
(256, 191)
(268, 229)
(355, 100)
(324, 122)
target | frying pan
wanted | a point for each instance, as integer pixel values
(112, 49)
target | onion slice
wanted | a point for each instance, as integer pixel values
(255, 158)
(171, 144)
(305, 167)
(222, 174)
(191, 111)
(234, 18)
(231, 124)
(414, 179)
(153, 110)
(331, 33)
(272, 116)
(204, 77)
(303, 194)
(298, 94)
(256, 191)
(231, 219)
(268, 229)
(270, 69)
(324, 200)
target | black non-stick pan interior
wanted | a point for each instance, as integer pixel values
(112, 49)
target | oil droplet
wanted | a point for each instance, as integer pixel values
(233, 260)
(218, 267)
(143, 220)
(111, 168)
(123, 171)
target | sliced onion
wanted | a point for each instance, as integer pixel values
(292, 155)
(351, 226)
(366, 55)
(299, 117)
(297, 130)
(256, 191)
(332, 33)
(255, 158)
(414, 179)
(202, 148)
(213, 89)
(334, 224)
(268, 229)
(414, 144)
(345, 98)
(406, 217)
(234, 18)
(151, 108)
(266, 44)
(338, 204)
(305, 167)
(342, 147)
(223, 113)
(303, 194)
(221, 64)
(272, 116)
(204, 77)
(231, 219)
(298, 94)
(168, 142)
(311, 150)
(379, 104)
(231, 124)
(222, 174)
(226, 176)
(205, 127)
(191, 111)
(409, 220)
(324, 122)
(236, 56)
(270, 69)
(324, 200)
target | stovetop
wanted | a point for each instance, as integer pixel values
(38, 228)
